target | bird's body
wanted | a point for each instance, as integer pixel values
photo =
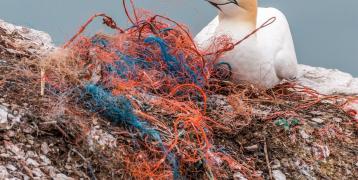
(265, 58)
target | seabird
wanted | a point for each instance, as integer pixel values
(264, 59)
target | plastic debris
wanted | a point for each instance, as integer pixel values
(287, 124)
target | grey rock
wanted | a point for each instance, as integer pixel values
(31, 154)
(327, 81)
(338, 120)
(303, 134)
(37, 172)
(44, 148)
(14, 118)
(32, 162)
(52, 172)
(318, 120)
(11, 133)
(25, 177)
(252, 148)
(5, 155)
(4, 124)
(29, 42)
(28, 130)
(61, 176)
(4, 174)
(259, 173)
(276, 164)
(278, 175)
(305, 169)
(97, 138)
(11, 167)
(216, 158)
(239, 176)
(317, 113)
(5, 104)
(19, 153)
(45, 160)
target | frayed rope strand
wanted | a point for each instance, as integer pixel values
(119, 110)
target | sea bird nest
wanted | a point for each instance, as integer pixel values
(162, 97)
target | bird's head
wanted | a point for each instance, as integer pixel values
(235, 7)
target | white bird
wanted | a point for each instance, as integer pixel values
(265, 58)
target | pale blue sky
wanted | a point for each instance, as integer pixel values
(325, 31)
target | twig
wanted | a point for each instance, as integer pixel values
(267, 158)
(89, 166)
(48, 122)
(26, 168)
(43, 83)
(61, 130)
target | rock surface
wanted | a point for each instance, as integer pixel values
(3, 117)
(18, 41)
(278, 175)
(327, 81)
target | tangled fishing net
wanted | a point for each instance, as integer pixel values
(151, 81)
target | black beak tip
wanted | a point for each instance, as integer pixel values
(214, 4)
(228, 2)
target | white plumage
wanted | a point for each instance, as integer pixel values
(265, 58)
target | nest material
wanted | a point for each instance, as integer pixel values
(148, 88)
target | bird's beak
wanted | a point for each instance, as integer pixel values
(214, 4)
(219, 4)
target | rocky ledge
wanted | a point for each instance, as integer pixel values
(25, 154)
(18, 41)
(328, 81)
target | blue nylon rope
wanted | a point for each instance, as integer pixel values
(119, 110)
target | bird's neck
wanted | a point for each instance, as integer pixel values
(245, 13)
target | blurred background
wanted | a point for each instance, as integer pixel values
(324, 31)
